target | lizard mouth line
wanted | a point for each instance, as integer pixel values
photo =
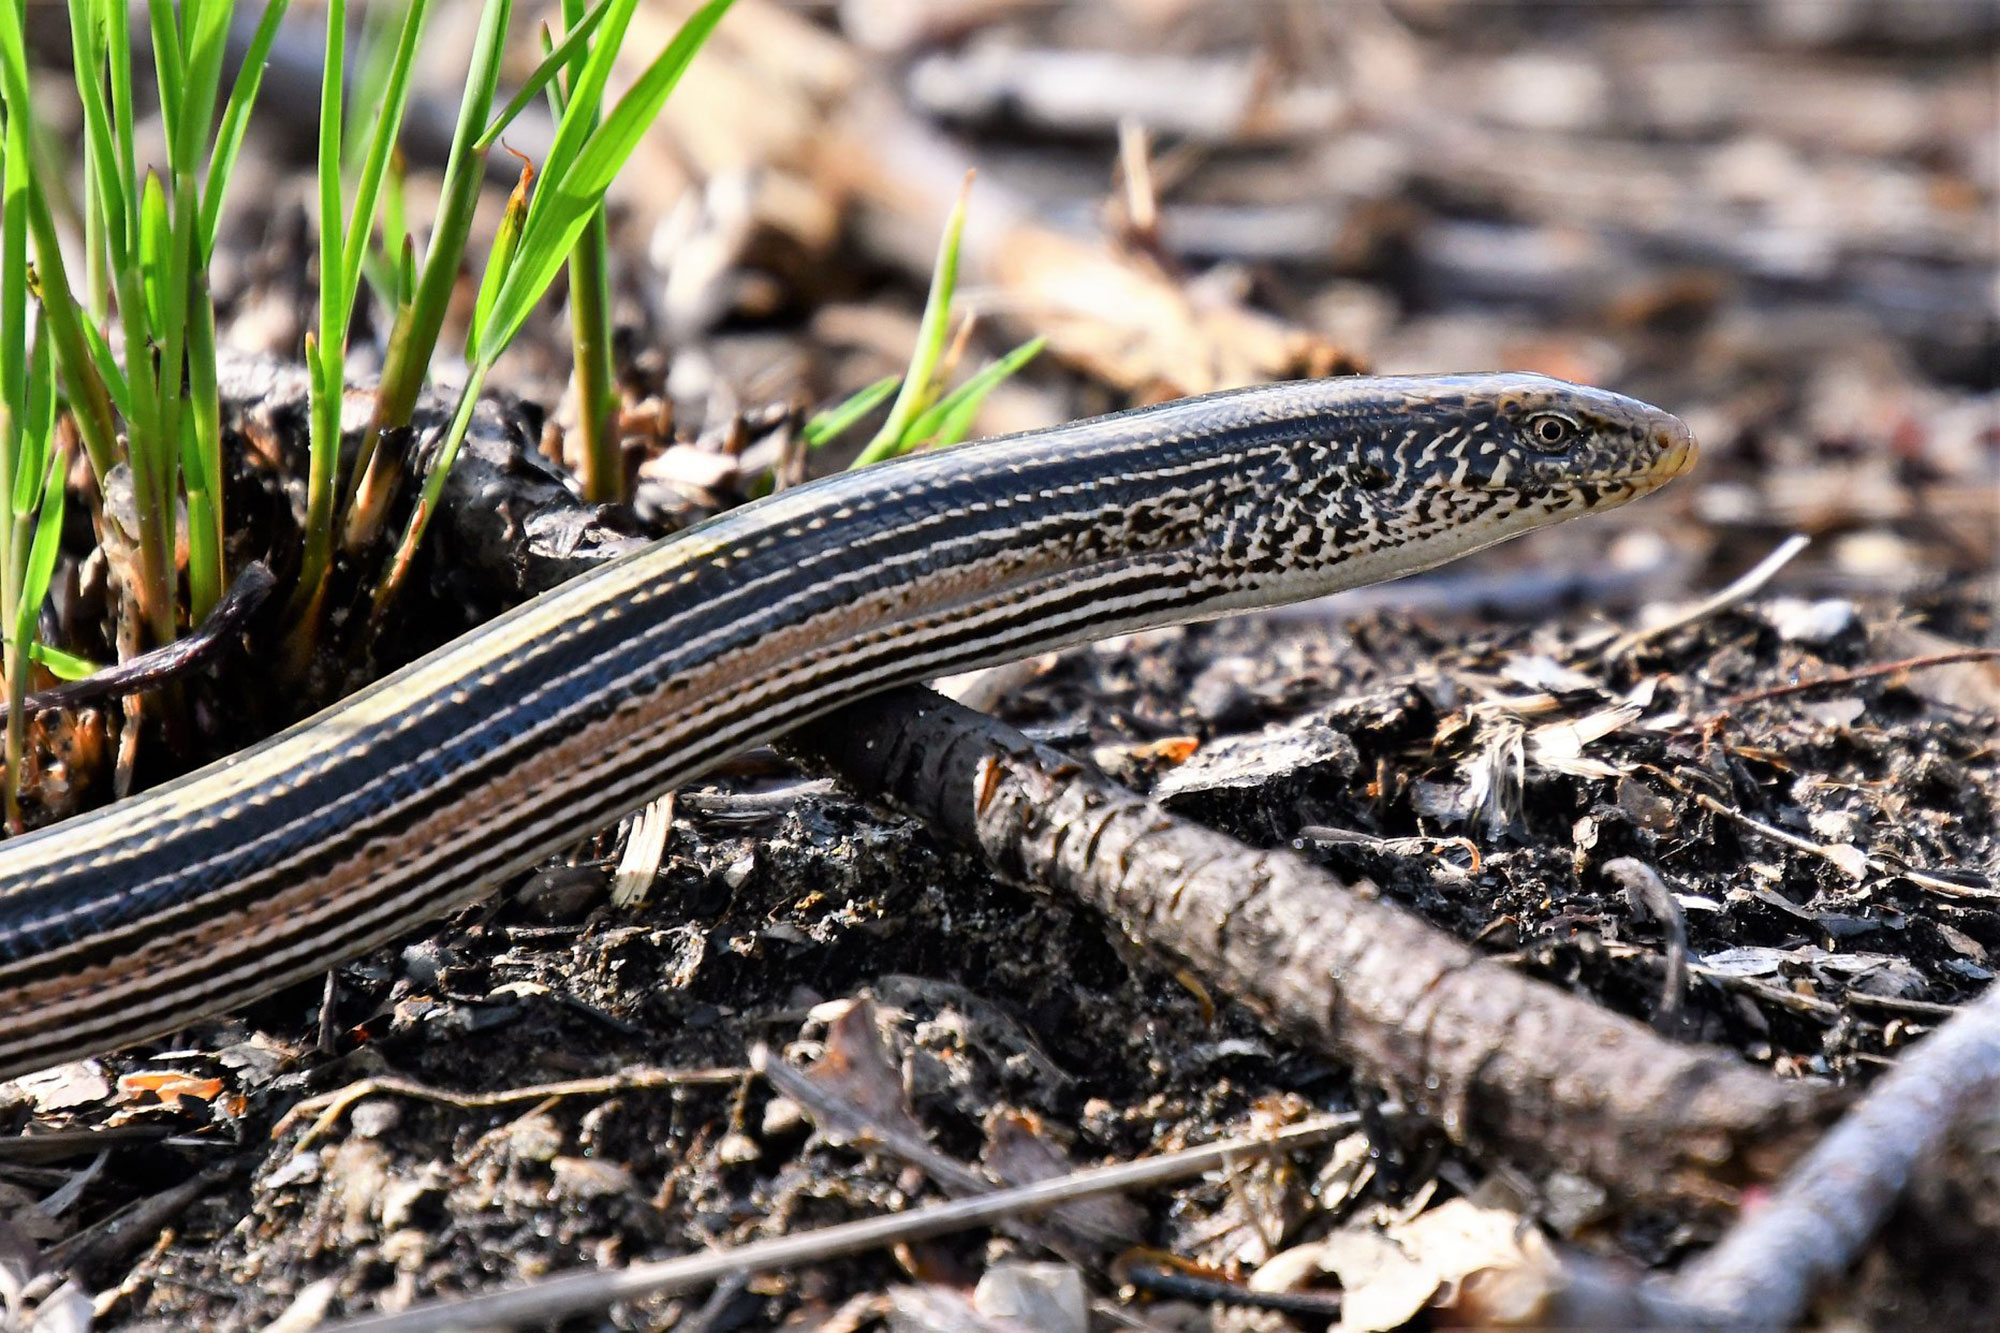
(1655, 476)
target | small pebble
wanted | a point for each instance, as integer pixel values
(1811, 623)
(375, 1117)
(736, 1149)
(782, 1116)
(1048, 1297)
(590, 1178)
(739, 871)
(563, 893)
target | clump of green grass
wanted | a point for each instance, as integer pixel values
(147, 241)
(591, 146)
(924, 414)
(563, 207)
(129, 360)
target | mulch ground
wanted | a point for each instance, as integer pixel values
(1781, 233)
(997, 1000)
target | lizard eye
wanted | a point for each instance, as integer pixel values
(1549, 431)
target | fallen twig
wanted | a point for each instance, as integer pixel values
(329, 1107)
(1850, 859)
(1645, 889)
(92, 1251)
(753, 807)
(563, 1296)
(253, 584)
(1781, 997)
(1813, 1227)
(1874, 672)
(1837, 853)
(853, 1096)
(1745, 587)
(1328, 836)
(1491, 1056)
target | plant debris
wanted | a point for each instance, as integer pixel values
(1743, 806)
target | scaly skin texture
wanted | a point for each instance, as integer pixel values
(400, 804)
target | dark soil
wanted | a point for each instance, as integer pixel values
(1773, 218)
(997, 999)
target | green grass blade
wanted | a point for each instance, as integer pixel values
(465, 168)
(324, 382)
(919, 385)
(89, 398)
(205, 33)
(406, 278)
(389, 586)
(204, 557)
(413, 338)
(108, 370)
(332, 221)
(609, 146)
(91, 403)
(202, 465)
(96, 249)
(115, 20)
(499, 260)
(585, 95)
(828, 426)
(186, 328)
(27, 585)
(388, 124)
(14, 178)
(30, 463)
(27, 397)
(371, 83)
(27, 485)
(553, 61)
(412, 344)
(156, 234)
(326, 353)
(112, 210)
(41, 554)
(100, 213)
(602, 472)
(531, 268)
(236, 120)
(37, 422)
(562, 206)
(62, 665)
(563, 214)
(947, 423)
(169, 62)
(169, 305)
(402, 283)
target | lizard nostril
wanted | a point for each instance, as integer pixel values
(1677, 446)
